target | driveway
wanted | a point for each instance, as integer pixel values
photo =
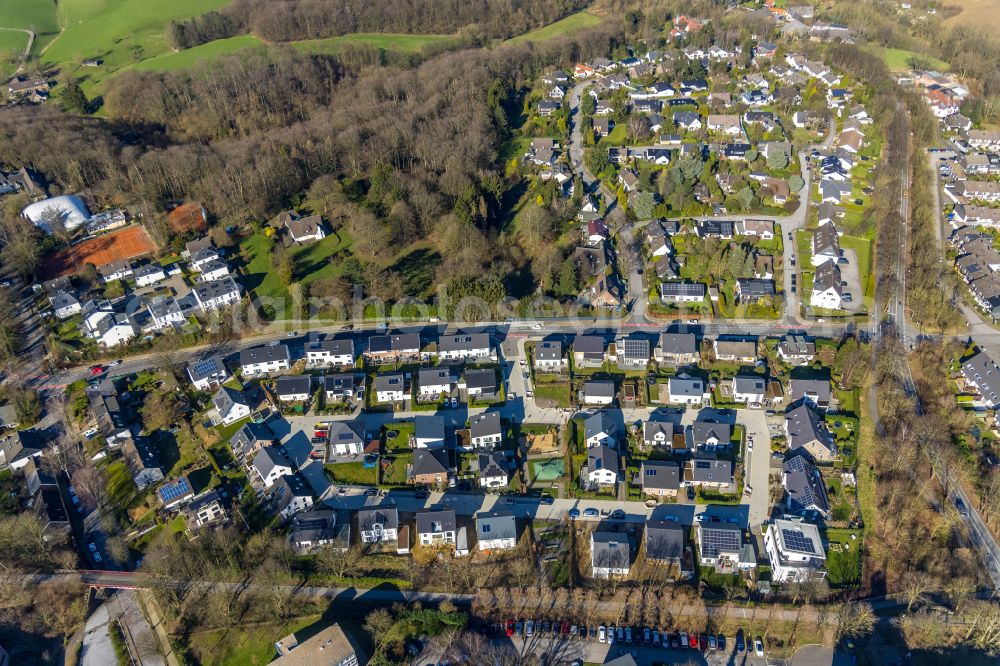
(756, 464)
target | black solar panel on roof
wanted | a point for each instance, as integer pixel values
(177, 489)
(702, 464)
(797, 541)
(715, 541)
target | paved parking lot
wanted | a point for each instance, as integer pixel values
(850, 274)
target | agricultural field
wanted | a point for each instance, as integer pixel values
(120, 33)
(566, 26)
(899, 59)
(388, 42)
(192, 56)
(975, 13)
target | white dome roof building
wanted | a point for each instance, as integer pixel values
(69, 208)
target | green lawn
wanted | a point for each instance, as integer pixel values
(401, 441)
(238, 646)
(566, 26)
(899, 59)
(617, 136)
(38, 16)
(556, 392)
(353, 472)
(395, 474)
(190, 57)
(121, 33)
(312, 262)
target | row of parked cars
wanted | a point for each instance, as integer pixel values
(632, 636)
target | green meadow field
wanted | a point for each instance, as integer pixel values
(566, 26)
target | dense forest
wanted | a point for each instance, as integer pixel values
(290, 20)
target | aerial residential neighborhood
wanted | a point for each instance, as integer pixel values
(564, 332)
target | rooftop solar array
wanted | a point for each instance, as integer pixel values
(202, 368)
(716, 540)
(636, 348)
(795, 540)
(175, 490)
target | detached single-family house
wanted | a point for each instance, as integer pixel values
(806, 432)
(664, 542)
(610, 554)
(208, 373)
(599, 392)
(602, 465)
(796, 349)
(431, 467)
(379, 525)
(293, 389)
(744, 351)
(64, 304)
(708, 436)
(660, 478)
(149, 274)
(599, 429)
(231, 404)
(249, 440)
(142, 462)
(346, 437)
(588, 351)
(305, 229)
(428, 432)
(271, 463)
(682, 292)
(312, 529)
(677, 348)
(795, 551)
(436, 528)
(725, 124)
(805, 492)
(721, 546)
(486, 430)
(493, 470)
(658, 433)
(549, 356)
(342, 387)
(815, 391)
(749, 389)
(496, 530)
(290, 495)
(481, 383)
(390, 387)
(683, 389)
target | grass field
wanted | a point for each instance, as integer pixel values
(312, 262)
(566, 26)
(899, 59)
(119, 32)
(194, 55)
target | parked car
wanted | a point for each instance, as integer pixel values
(656, 637)
(703, 642)
(618, 514)
(529, 628)
(628, 635)
(721, 640)
(758, 646)
(740, 645)
(573, 513)
(591, 513)
(647, 635)
(711, 642)
(602, 634)
(682, 640)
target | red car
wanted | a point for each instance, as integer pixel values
(321, 434)
(693, 641)
(565, 628)
(96, 370)
(509, 627)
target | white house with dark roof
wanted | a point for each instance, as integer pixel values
(464, 347)
(434, 382)
(208, 373)
(480, 383)
(231, 405)
(164, 312)
(588, 351)
(796, 349)
(548, 356)
(436, 528)
(330, 352)
(379, 525)
(390, 387)
(486, 430)
(149, 274)
(265, 360)
(297, 388)
(610, 554)
(683, 389)
(815, 391)
(709, 472)
(682, 292)
(749, 389)
(492, 470)
(306, 229)
(983, 376)
(213, 270)
(64, 304)
(341, 387)
(216, 294)
(795, 551)
(721, 546)
(599, 392)
(602, 465)
(291, 494)
(271, 463)
(599, 429)
(428, 432)
(496, 530)
(827, 288)
(658, 433)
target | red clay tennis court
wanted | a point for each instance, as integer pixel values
(124, 244)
